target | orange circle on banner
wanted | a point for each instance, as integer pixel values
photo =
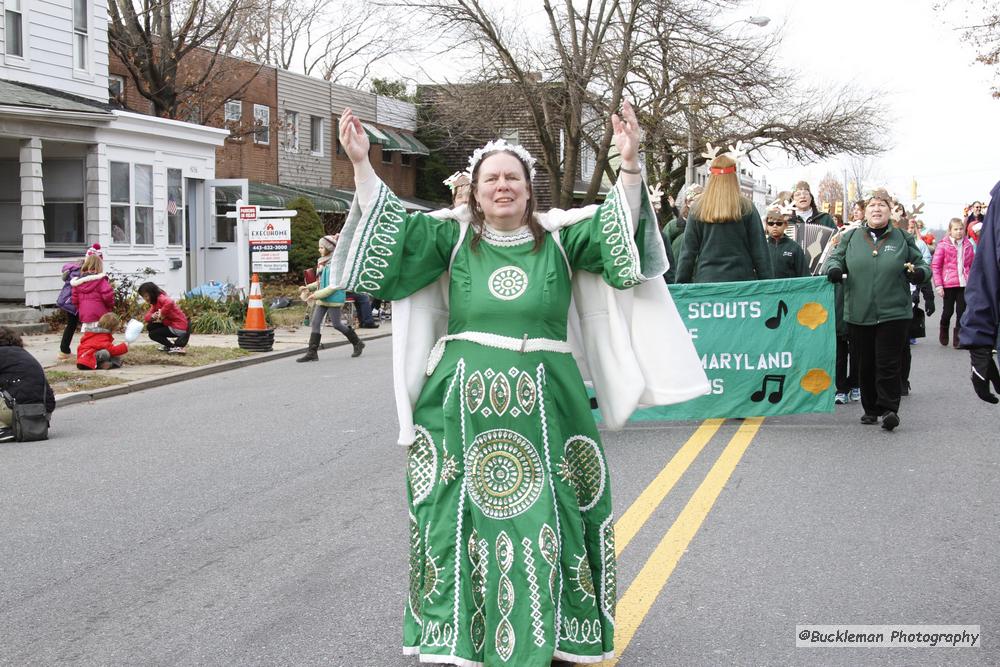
(816, 381)
(812, 315)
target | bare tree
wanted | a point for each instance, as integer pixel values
(174, 51)
(686, 74)
(548, 75)
(979, 24)
(830, 191)
(337, 40)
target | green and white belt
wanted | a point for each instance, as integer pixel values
(521, 345)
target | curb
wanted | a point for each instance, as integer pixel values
(193, 372)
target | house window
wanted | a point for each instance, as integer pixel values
(81, 39)
(225, 228)
(131, 201)
(14, 28)
(291, 132)
(116, 88)
(234, 110)
(175, 207)
(510, 136)
(387, 156)
(63, 187)
(316, 135)
(406, 159)
(262, 119)
(10, 202)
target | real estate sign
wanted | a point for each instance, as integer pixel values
(270, 239)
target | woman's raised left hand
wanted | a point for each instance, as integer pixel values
(626, 129)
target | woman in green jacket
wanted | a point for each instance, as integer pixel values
(723, 239)
(876, 262)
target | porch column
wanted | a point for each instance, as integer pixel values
(98, 193)
(32, 217)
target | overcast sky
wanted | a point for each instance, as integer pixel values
(944, 128)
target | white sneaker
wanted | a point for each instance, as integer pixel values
(840, 398)
(177, 350)
(856, 394)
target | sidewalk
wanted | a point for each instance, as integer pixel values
(288, 341)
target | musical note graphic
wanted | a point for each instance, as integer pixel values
(776, 395)
(775, 322)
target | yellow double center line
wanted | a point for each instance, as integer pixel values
(635, 604)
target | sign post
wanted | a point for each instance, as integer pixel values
(266, 234)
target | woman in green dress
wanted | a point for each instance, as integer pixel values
(512, 557)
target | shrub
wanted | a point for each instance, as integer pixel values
(128, 303)
(307, 228)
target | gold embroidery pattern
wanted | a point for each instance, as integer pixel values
(582, 468)
(421, 467)
(475, 392)
(526, 393)
(505, 637)
(500, 394)
(504, 473)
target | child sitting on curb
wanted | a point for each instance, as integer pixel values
(98, 348)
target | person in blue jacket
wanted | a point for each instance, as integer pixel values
(982, 306)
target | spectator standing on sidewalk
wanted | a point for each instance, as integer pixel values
(951, 265)
(327, 301)
(92, 292)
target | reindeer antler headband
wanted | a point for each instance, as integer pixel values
(734, 153)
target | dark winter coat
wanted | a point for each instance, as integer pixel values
(787, 258)
(724, 251)
(982, 292)
(23, 378)
(671, 274)
(876, 289)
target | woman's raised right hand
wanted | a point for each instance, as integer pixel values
(353, 138)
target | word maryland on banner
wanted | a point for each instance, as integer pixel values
(767, 346)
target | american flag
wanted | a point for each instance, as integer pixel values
(171, 207)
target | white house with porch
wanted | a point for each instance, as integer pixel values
(73, 171)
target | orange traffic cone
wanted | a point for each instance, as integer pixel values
(255, 309)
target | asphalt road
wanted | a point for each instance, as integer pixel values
(257, 517)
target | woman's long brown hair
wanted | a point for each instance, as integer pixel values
(478, 219)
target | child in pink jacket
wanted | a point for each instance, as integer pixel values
(950, 268)
(92, 292)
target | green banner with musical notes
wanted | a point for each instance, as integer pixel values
(768, 348)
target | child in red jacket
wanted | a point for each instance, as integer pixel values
(164, 320)
(98, 348)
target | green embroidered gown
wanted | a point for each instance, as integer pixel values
(512, 557)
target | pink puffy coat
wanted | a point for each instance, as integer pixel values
(92, 296)
(944, 264)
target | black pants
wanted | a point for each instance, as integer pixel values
(954, 297)
(162, 334)
(67, 338)
(847, 366)
(879, 351)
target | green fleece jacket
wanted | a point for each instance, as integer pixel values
(724, 251)
(671, 273)
(876, 288)
(787, 258)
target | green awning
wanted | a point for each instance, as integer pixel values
(268, 195)
(375, 135)
(418, 148)
(396, 142)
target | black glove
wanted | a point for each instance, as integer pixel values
(835, 275)
(929, 306)
(914, 276)
(984, 371)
